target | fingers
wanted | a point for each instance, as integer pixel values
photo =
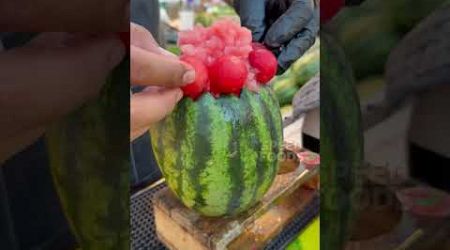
(53, 81)
(252, 14)
(149, 107)
(300, 44)
(290, 23)
(142, 38)
(152, 65)
(155, 69)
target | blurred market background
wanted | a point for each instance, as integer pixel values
(369, 32)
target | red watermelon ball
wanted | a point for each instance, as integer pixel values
(228, 75)
(198, 86)
(265, 63)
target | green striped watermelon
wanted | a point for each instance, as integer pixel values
(89, 158)
(341, 149)
(220, 156)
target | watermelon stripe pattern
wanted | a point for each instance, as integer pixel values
(187, 190)
(235, 173)
(249, 149)
(263, 134)
(270, 107)
(220, 156)
(180, 132)
(89, 162)
(341, 146)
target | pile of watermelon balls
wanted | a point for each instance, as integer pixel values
(225, 60)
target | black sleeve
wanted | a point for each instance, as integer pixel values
(146, 13)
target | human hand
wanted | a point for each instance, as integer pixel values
(288, 27)
(162, 72)
(47, 78)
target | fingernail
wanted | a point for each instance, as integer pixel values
(189, 76)
(179, 95)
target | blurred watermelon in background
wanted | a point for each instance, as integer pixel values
(405, 14)
(89, 160)
(370, 31)
(306, 67)
(368, 48)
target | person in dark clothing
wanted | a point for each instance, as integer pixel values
(288, 27)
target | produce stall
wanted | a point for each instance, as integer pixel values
(276, 205)
(402, 213)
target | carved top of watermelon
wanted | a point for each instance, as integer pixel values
(225, 49)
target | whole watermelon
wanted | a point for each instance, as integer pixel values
(367, 35)
(220, 156)
(369, 38)
(89, 159)
(341, 146)
(285, 88)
